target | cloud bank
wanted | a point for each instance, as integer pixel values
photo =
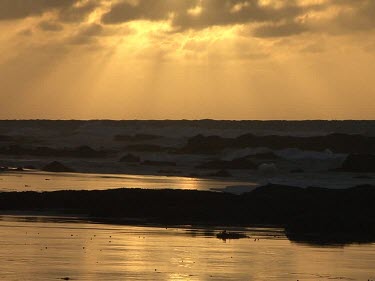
(243, 58)
(267, 18)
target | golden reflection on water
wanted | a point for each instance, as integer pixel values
(44, 181)
(50, 250)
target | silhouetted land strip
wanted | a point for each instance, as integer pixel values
(314, 214)
(313, 125)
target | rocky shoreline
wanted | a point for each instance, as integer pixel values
(315, 215)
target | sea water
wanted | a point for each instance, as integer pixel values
(46, 248)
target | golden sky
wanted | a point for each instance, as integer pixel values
(192, 59)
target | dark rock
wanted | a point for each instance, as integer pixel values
(221, 174)
(85, 151)
(359, 163)
(158, 163)
(130, 158)
(56, 167)
(146, 148)
(169, 172)
(334, 215)
(224, 235)
(337, 143)
(205, 145)
(136, 138)
(3, 168)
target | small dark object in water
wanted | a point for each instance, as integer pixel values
(65, 278)
(230, 235)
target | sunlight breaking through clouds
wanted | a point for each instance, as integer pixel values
(183, 51)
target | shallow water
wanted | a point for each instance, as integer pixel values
(45, 181)
(43, 248)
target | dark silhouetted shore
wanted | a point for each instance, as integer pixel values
(313, 214)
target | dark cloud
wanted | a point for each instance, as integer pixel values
(86, 34)
(314, 48)
(91, 30)
(18, 9)
(78, 13)
(226, 13)
(126, 11)
(360, 17)
(212, 12)
(50, 26)
(269, 20)
(25, 32)
(280, 30)
(67, 10)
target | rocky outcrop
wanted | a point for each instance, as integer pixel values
(57, 167)
(316, 214)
